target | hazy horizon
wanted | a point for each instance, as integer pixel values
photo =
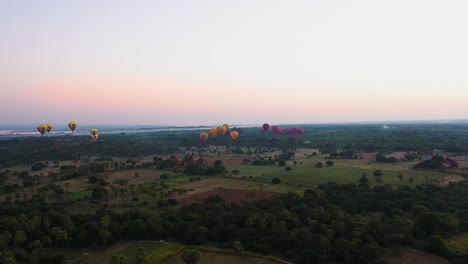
(245, 62)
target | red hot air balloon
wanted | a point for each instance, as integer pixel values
(293, 130)
(266, 126)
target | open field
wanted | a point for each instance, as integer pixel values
(220, 258)
(414, 256)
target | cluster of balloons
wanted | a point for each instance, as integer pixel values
(277, 130)
(43, 128)
(94, 134)
(213, 132)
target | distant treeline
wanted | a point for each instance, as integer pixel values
(348, 139)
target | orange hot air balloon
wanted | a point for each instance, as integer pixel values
(94, 131)
(49, 127)
(222, 130)
(234, 134)
(203, 136)
(213, 132)
(73, 125)
(42, 129)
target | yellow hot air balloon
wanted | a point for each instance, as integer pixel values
(73, 125)
(49, 127)
(213, 132)
(93, 131)
(42, 128)
(234, 134)
(226, 126)
(203, 136)
(95, 137)
(222, 130)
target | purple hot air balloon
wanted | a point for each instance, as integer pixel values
(266, 126)
(293, 130)
(287, 131)
(300, 131)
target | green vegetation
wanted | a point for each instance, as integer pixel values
(334, 201)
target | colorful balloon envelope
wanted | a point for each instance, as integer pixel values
(203, 136)
(94, 131)
(266, 126)
(234, 134)
(73, 125)
(222, 130)
(275, 130)
(49, 127)
(42, 129)
(293, 130)
(213, 132)
(226, 126)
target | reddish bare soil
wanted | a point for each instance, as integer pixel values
(368, 155)
(229, 196)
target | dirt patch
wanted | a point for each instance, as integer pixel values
(368, 155)
(450, 178)
(228, 195)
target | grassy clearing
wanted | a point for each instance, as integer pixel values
(164, 252)
(459, 242)
(156, 252)
(222, 256)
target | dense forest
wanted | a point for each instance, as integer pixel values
(347, 223)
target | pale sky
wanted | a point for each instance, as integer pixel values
(245, 61)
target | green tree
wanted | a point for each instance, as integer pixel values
(330, 163)
(190, 256)
(19, 238)
(238, 247)
(400, 177)
(118, 259)
(141, 255)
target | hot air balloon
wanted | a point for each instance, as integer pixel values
(226, 126)
(203, 136)
(293, 130)
(95, 137)
(263, 130)
(234, 135)
(266, 126)
(48, 127)
(41, 128)
(300, 131)
(93, 131)
(213, 132)
(222, 130)
(276, 130)
(73, 125)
